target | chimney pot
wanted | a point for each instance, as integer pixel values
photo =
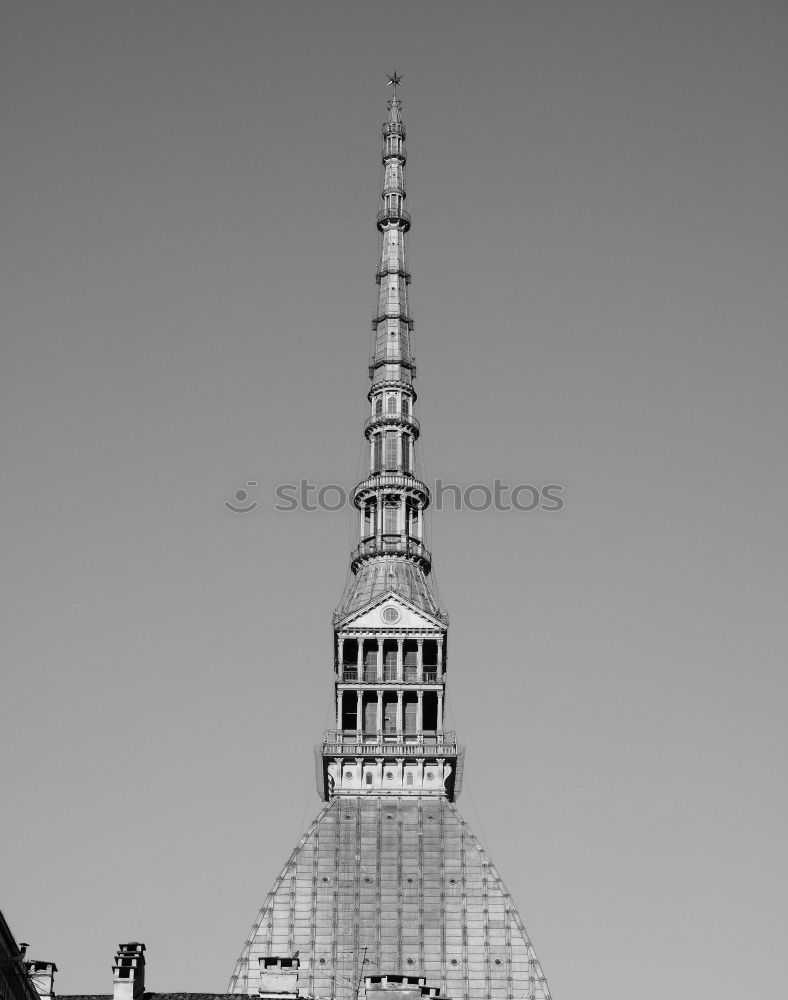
(129, 971)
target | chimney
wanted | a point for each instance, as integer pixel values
(42, 976)
(279, 977)
(129, 972)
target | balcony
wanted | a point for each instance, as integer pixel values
(399, 481)
(391, 545)
(350, 675)
(435, 744)
(402, 419)
(398, 216)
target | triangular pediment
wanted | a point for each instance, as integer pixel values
(379, 614)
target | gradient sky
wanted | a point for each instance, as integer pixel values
(599, 286)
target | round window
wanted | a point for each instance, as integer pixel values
(390, 615)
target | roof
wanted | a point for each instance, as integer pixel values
(401, 884)
(150, 996)
(377, 577)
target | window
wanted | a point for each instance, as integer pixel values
(378, 405)
(391, 404)
(368, 778)
(411, 709)
(406, 453)
(391, 451)
(370, 716)
(390, 666)
(391, 527)
(405, 406)
(377, 449)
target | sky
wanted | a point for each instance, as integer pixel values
(599, 252)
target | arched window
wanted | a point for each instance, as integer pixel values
(378, 406)
(405, 406)
(406, 452)
(377, 452)
(391, 404)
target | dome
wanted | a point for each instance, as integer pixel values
(402, 885)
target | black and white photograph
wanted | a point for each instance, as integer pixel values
(394, 481)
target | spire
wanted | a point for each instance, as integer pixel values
(391, 554)
(393, 889)
(390, 631)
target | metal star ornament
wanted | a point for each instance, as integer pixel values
(394, 81)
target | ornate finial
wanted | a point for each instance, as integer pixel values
(394, 81)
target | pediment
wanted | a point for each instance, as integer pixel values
(376, 615)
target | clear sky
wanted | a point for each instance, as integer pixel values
(599, 285)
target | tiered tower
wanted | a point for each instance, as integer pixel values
(389, 886)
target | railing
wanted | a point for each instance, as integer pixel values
(394, 215)
(392, 481)
(392, 418)
(392, 544)
(349, 675)
(399, 744)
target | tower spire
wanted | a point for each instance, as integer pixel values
(388, 886)
(391, 553)
(390, 631)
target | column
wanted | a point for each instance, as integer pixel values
(420, 715)
(360, 660)
(340, 654)
(399, 714)
(420, 772)
(359, 772)
(440, 712)
(380, 714)
(379, 517)
(440, 656)
(359, 713)
(339, 711)
(399, 659)
(378, 772)
(379, 667)
(419, 661)
(419, 531)
(399, 450)
(340, 763)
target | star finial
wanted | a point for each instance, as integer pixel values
(394, 81)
